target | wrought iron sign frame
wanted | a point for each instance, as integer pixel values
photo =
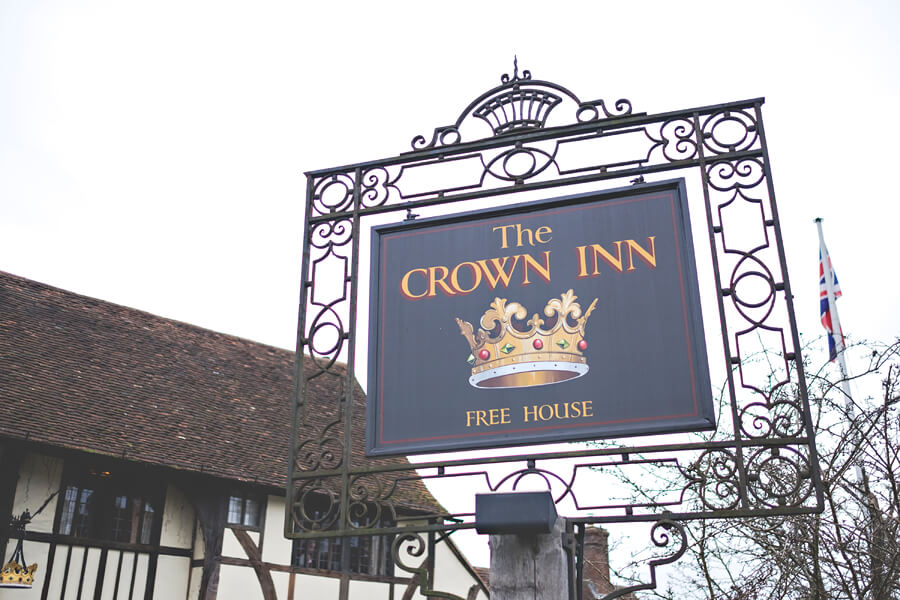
(765, 462)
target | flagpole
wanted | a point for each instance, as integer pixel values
(836, 330)
(837, 333)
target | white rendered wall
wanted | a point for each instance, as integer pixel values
(194, 586)
(276, 547)
(450, 574)
(141, 571)
(232, 548)
(199, 542)
(172, 573)
(282, 583)
(39, 477)
(371, 590)
(177, 521)
(310, 586)
(131, 563)
(240, 583)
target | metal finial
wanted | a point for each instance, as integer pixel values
(526, 74)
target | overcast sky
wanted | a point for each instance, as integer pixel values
(152, 153)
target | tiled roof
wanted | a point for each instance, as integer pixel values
(484, 573)
(84, 374)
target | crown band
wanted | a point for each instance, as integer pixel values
(528, 374)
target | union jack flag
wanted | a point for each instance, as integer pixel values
(824, 302)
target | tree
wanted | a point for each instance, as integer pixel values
(852, 549)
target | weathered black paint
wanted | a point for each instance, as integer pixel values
(518, 513)
(646, 353)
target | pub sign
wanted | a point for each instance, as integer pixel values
(573, 318)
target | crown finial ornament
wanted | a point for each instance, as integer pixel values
(14, 573)
(515, 108)
(507, 355)
(520, 105)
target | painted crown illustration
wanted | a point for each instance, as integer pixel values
(509, 352)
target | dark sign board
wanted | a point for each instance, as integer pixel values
(566, 319)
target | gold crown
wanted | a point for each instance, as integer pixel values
(505, 355)
(14, 575)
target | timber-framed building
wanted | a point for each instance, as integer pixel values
(152, 456)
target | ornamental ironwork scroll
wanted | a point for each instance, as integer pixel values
(537, 135)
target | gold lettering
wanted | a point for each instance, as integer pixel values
(519, 230)
(582, 262)
(503, 229)
(476, 276)
(556, 411)
(542, 271)
(404, 285)
(489, 418)
(648, 256)
(495, 271)
(603, 254)
(434, 281)
(500, 267)
(524, 235)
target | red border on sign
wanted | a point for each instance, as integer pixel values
(581, 425)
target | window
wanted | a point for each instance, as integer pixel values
(101, 505)
(244, 510)
(369, 555)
